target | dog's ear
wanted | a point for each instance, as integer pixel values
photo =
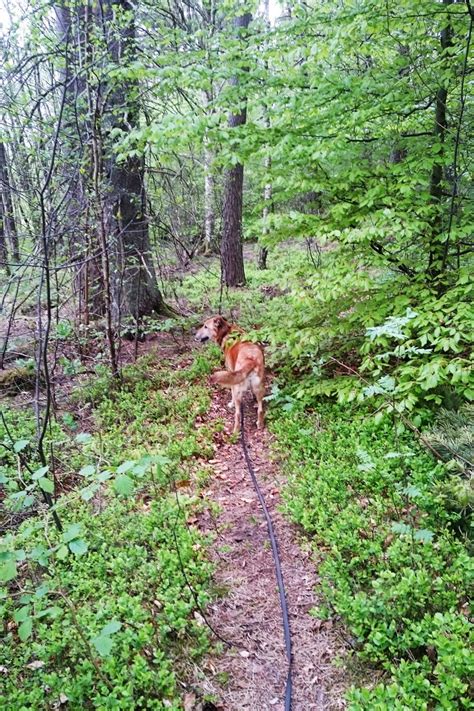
(220, 322)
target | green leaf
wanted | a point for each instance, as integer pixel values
(401, 528)
(88, 470)
(88, 492)
(83, 438)
(411, 491)
(62, 552)
(8, 571)
(47, 485)
(73, 531)
(78, 546)
(20, 445)
(123, 485)
(111, 628)
(424, 535)
(103, 645)
(104, 476)
(51, 612)
(41, 555)
(125, 467)
(39, 473)
(22, 614)
(25, 629)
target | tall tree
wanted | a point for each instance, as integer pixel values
(127, 195)
(232, 258)
(7, 215)
(436, 247)
(267, 191)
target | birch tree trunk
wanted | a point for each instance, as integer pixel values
(209, 190)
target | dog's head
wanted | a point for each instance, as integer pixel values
(214, 329)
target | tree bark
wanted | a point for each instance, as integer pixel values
(267, 206)
(267, 191)
(73, 26)
(232, 258)
(209, 214)
(7, 214)
(436, 182)
(209, 186)
(138, 294)
(3, 244)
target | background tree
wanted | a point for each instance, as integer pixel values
(233, 273)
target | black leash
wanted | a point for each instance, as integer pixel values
(276, 558)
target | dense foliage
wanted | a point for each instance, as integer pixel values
(106, 612)
(393, 565)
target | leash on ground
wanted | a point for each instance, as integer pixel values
(276, 559)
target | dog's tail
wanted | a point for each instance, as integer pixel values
(228, 379)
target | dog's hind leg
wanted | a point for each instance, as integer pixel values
(237, 396)
(258, 389)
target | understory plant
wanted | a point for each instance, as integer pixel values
(394, 559)
(104, 613)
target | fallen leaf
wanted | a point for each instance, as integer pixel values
(244, 653)
(183, 483)
(37, 664)
(199, 619)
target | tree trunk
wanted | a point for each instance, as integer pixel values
(3, 244)
(436, 183)
(267, 206)
(267, 192)
(138, 294)
(74, 27)
(209, 214)
(8, 221)
(232, 258)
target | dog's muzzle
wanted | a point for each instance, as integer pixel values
(201, 339)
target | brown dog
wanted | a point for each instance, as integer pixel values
(244, 361)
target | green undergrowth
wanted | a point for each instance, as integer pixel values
(375, 356)
(104, 614)
(345, 329)
(394, 562)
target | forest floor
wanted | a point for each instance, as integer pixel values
(251, 672)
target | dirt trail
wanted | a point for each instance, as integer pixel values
(251, 675)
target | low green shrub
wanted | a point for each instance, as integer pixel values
(102, 614)
(391, 564)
